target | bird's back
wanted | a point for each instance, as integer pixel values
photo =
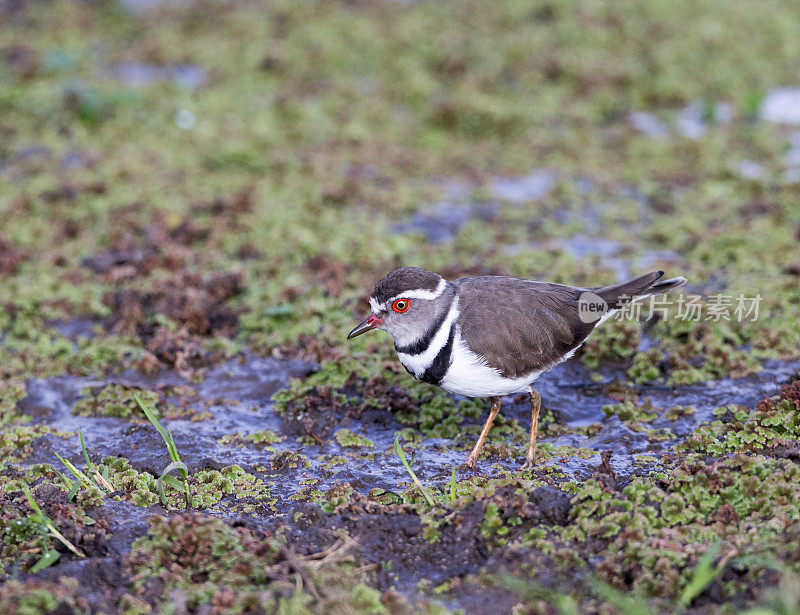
(519, 326)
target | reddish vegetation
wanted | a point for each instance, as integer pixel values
(789, 392)
(240, 203)
(327, 273)
(380, 394)
(310, 348)
(10, 257)
(197, 304)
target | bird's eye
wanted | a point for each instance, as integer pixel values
(401, 305)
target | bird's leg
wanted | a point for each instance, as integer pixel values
(536, 406)
(473, 456)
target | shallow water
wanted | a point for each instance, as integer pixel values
(134, 74)
(238, 395)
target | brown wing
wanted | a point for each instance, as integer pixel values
(519, 326)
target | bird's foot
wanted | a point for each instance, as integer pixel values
(469, 464)
(529, 463)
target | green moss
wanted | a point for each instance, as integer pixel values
(614, 341)
(115, 400)
(12, 391)
(288, 460)
(630, 411)
(40, 598)
(743, 430)
(657, 531)
(16, 441)
(678, 412)
(492, 527)
(232, 488)
(333, 497)
(349, 439)
(259, 438)
(331, 130)
(250, 561)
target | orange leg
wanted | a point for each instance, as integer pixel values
(473, 456)
(536, 406)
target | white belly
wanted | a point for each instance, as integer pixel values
(470, 375)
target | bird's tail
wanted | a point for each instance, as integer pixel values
(643, 286)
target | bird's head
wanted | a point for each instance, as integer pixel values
(406, 303)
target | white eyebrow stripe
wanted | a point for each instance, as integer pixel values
(421, 294)
(411, 294)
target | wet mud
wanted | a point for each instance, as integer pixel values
(321, 484)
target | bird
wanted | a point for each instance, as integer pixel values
(491, 336)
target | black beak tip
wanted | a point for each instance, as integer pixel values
(363, 327)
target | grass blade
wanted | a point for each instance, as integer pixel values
(152, 418)
(176, 464)
(173, 482)
(87, 482)
(172, 449)
(453, 486)
(49, 524)
(85, 452)
(47, 560)
(67, 483)
(399, 451)
(704, 574)
(73, 491)
(99, 480)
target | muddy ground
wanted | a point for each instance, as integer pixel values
(195, 201)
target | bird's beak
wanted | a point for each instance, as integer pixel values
(367, 325)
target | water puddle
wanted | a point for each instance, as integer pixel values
(190, 76)
(532, 187)
(440, 223)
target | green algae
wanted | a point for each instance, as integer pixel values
(114, 400)
(615, 341)
(630, 411)
(743, 430)
(262, 438)
(231, 487)
(350, 439)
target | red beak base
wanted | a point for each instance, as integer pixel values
(367, 325)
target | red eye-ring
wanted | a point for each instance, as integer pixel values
(401, 305)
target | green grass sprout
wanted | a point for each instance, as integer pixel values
(703, 575)
(399, 451)
(53, 532)
(176, 464)
(92, 477)
(47, 560)
(81, 476)
(532, 592)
